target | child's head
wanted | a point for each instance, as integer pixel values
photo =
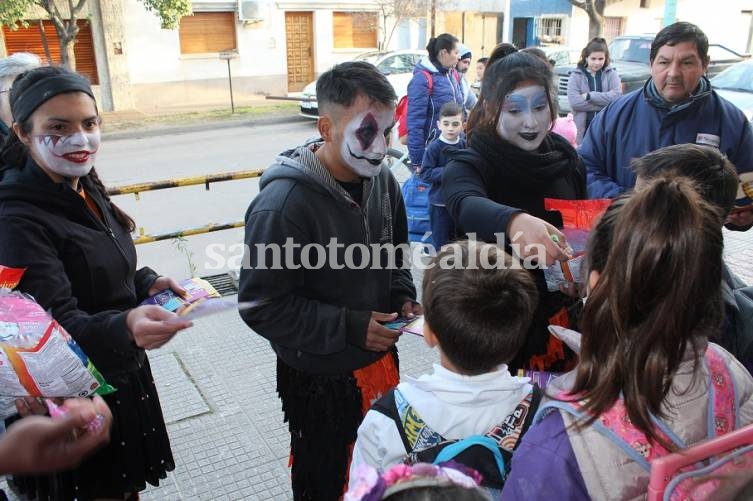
(595, 55)
(480, 67)
(714, 175)
(478, 304)
(658, 295)
(450, 121)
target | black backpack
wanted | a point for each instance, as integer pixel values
(489, 454)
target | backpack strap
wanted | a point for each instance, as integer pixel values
(507, 434)
(429, 80)
(723, 415)
(414, 432)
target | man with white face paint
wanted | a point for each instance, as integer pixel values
(331, 198)
(677, 105)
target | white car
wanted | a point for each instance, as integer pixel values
(396, 65)
(735, 84)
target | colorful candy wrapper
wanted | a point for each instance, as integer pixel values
(38, 357)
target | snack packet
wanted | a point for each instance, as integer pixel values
(578, 217)
(744, 198)
(38, 357)
(196, 289)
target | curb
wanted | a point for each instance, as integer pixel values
(200, 126)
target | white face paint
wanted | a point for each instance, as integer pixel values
(69, 156)
(364, 144)
(524, 119)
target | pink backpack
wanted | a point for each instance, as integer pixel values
(691, 474)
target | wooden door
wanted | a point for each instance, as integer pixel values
(299, 34)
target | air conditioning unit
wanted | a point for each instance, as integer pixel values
(250, 11)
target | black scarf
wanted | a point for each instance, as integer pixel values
(554, 158)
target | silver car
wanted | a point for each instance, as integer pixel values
(735, 84)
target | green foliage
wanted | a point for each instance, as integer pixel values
(169, 11)
(13, 12)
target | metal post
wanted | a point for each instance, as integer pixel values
(230, 81)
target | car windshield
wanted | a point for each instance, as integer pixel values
(630, 49)
(736, 77)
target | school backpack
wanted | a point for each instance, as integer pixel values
(416, 198)
(691, 474)
(489, 454)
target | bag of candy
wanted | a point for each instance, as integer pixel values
(38, 357)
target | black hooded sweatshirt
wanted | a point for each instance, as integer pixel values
(79, 268)
(316, 319)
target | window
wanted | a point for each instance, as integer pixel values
(30, 40)
(549, 29)
(207, 32)
(613, 27)
(401, 63)
(355, 30)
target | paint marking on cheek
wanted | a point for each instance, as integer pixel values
(367, 131)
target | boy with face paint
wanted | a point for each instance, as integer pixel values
(324, 317)
(496, 188)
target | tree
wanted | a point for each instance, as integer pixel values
(595, 11)
(393, 12)
(64, 15)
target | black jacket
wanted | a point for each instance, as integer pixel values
(482, 197)
(316, 319)
(81, 269)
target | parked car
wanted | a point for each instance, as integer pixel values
(630, 57)
(735, 84)
(396, 65)
(561, 55)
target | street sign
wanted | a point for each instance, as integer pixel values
(228, 54)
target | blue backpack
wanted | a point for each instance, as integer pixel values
(489, 454)
(416, 197)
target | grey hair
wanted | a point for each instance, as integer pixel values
(15, 64)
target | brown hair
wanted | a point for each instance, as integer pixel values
(658, 296)
(500, 79)
(480, 314)
(596, 44)
(715, 176)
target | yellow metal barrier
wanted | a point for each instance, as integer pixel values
(178, 183)
(183, 181)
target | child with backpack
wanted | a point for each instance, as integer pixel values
(648, 381)
(717, 181)
(436, 155)
(478, 303)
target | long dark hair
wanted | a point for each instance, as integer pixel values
(500, 79)
(658, 296)
(596, 44)
(15, 153)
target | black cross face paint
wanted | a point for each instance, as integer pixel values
(365, 142)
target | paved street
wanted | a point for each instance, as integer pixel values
(217, 381)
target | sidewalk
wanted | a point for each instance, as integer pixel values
(178, 119)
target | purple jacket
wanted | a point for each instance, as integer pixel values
(544, 465)
(577, 85)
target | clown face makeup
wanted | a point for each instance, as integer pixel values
(68, 156)
(364, 142)
(525, 119)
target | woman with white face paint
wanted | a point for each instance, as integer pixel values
(57, 222)
(496, 188)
